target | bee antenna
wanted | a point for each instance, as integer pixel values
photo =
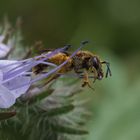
(108, 71)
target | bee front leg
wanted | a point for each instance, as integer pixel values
(86, 80)
(93, 70)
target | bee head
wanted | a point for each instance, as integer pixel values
(97, 64)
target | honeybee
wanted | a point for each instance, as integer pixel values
(84, 63)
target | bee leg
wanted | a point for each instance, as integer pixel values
(86, 81)
(53, 78)
(77, 70)
(50, 80)
(94, 71)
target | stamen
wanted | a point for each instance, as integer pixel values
(3, 66)
(19, 71)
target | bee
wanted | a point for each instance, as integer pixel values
(85, 64)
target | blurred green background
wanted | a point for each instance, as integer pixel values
(113, 29)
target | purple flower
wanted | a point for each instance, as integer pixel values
(9, 90)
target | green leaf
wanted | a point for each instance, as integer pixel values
(68, 130)
(6, 115)
(40, 97)
(59, 110)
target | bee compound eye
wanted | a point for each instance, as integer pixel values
(95, 62)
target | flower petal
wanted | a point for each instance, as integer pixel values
(18, 85)
(7, 99)
(1, 76)
(6, 65)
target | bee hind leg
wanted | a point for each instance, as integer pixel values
(53, 77)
